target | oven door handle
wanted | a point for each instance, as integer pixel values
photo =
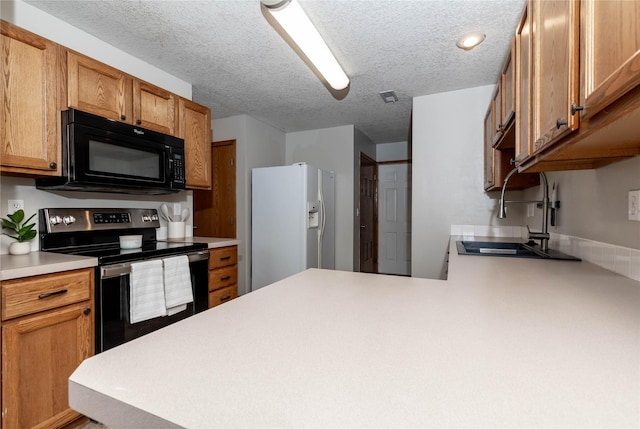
(117, 270)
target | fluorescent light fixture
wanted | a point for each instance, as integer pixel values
(470, 41)
(292, 19)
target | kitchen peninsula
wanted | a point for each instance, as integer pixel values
(501, 343)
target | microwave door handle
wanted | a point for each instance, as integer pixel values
(169, 172)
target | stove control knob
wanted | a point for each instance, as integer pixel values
(55, 220)
(68, 220)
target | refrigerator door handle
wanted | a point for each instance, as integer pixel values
(322, 218)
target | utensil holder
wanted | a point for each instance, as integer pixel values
(175, 230)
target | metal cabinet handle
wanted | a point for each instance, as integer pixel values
(53, 165)
(48, 294)
(225, 258)
(560, 123)
(225, 278)
(138, 122)
(87, 311)
(575, 108)
(123, 117)
(224, 298)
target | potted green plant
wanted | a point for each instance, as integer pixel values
(21, 230)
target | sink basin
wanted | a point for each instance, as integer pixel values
(514, 250)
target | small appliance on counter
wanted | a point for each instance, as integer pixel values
(98, 233)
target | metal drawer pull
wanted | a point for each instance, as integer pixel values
(48, 294)
(225, 278)
(226, 258)
(224, 298)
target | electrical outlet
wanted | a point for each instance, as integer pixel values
(634, 205)
(176, 209)
(14, 205)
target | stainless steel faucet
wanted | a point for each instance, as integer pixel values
(544, 235)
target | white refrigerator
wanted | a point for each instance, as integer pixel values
(292, 222)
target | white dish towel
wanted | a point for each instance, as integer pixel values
(177, 284)
(147, 291)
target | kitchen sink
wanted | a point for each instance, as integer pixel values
(509, 249)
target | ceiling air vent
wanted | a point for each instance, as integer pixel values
(389, 96)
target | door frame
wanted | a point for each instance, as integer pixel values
(366, 161)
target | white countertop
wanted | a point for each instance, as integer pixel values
(36, 263)
(502, 343)
(214, 242)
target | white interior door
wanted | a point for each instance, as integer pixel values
(394, 223)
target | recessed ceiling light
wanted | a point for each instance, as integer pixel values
(389, 96)
(470, 41)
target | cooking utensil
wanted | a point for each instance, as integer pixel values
(164, 211)
(185, 214)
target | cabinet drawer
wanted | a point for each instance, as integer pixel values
(33, 294)
(223, 277)
(223, 257)
(223, 295)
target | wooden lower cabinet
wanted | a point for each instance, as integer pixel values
(40, 350)
(223, 275)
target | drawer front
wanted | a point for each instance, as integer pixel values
(223, 277)
(223, 257)
(223, 295)
(33, 294)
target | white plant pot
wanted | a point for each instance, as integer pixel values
(17, 248)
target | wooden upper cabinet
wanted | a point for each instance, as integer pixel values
(610, 52)
(508, 93)
(194, 126)
(154, 108)
(29, 118)
(497, 113)
(523, 62)
(489, 180)
(97, 88)
(555, 70)
(94, 87)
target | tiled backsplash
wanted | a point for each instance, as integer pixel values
(622, 260)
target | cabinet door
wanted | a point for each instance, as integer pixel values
(497, 113)
(96, 88)
(556, 77)
(195, 128)
(610, 31)
(523, 66)
(29, 121)
(489, 180)
(507, 82)
(154, 108)
(39, 353)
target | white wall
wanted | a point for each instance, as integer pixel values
(447, 175)
(56, 30)
(594, 203)
(398, 151)
(257, 145)
(331, 149)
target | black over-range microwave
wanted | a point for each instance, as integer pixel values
(103, 155)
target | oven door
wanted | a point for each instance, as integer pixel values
(113, 295)
(104, 157)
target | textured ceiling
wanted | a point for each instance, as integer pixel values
(238, 64)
